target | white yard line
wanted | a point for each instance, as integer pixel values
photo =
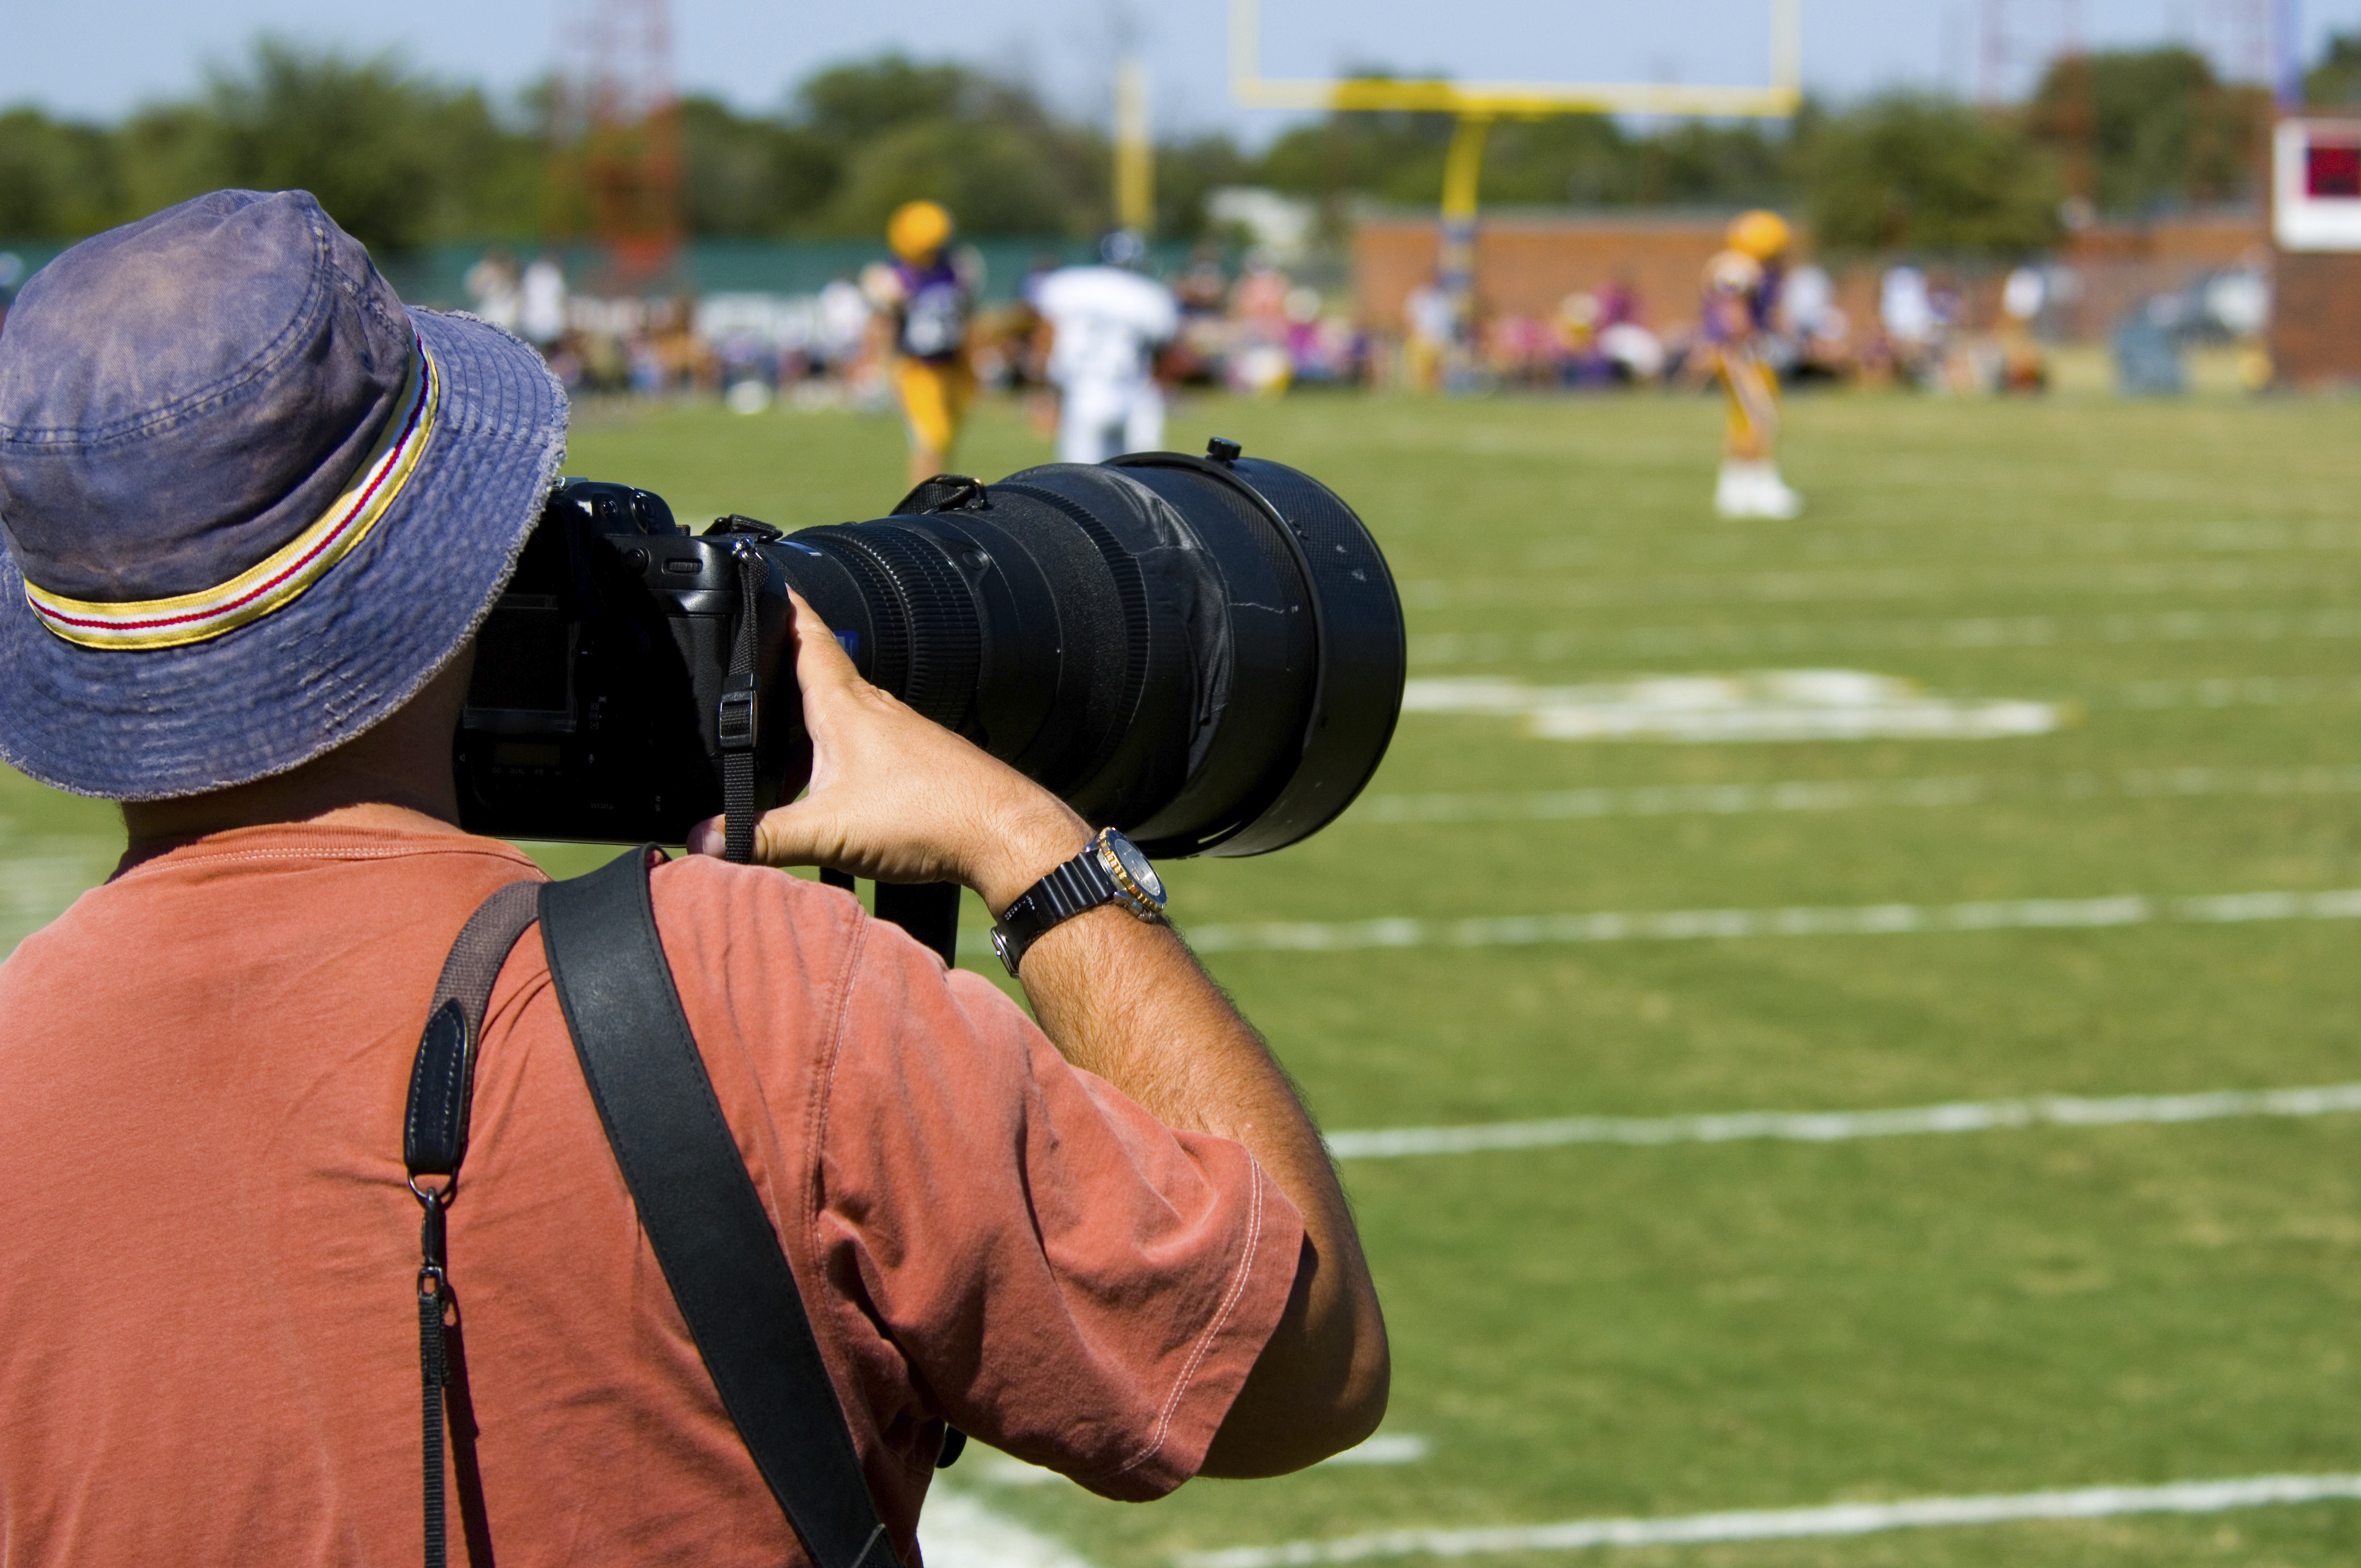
(1841, 920)
(1442, 648)
(1836, 1126)
(1846, 795)
(1385, 1448)
(1870, 583)
(1744, 705)
(955, 1530)
(1790, 1524)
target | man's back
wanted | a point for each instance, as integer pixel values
(208, 1268)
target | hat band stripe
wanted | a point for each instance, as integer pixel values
(276, 581)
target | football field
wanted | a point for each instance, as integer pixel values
(2007, 821)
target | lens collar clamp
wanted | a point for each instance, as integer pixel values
(1097, 876)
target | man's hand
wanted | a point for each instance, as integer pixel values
(897, 797)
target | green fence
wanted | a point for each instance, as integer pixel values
(436, 275)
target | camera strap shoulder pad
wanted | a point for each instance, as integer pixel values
(703, 1218)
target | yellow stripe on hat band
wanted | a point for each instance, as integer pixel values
(276, 581)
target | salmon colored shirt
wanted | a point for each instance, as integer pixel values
(208, 1337)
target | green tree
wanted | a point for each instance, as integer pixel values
(2153, 126)
(987, 174)
(1189, 172)
(397, 159)
(1911, 171)
(855, 103)
(57, 179)
(2337, 80)
(1587, 159)
(862, 138)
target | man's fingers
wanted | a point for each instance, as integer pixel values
(784, 836)
(822, 662)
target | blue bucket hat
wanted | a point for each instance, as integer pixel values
(251, 502)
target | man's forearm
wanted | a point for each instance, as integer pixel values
(1125, 1000)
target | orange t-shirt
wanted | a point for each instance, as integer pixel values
(208, 1336)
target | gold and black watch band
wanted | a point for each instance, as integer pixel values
(1079, 885)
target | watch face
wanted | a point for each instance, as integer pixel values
(1135, 866)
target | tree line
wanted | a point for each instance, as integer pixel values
(405, 161)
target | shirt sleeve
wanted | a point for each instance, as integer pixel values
(1072, 1281)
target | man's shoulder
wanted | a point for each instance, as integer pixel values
(731, 924)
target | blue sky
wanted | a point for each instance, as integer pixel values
(100, 57)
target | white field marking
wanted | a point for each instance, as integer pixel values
(956, 1530)
(1869, 584)
(1385, 1448)
(2239, 691)
(1790, 1524)
(1845, 795)
(1757, 704)
(1442, 648)
(1007, 1469)
(1838, 1127)
(1841, 920)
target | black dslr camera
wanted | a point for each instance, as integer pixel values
(1205, 652)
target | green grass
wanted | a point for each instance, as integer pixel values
(1615, 1331)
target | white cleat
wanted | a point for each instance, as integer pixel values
(1731, 497)
(1754, 489)
(1773, 497)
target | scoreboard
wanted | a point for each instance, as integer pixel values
(2316, 237)
(2316, 184)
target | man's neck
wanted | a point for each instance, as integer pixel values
(154, 827)
(396, 774)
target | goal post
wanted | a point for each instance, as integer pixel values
(1776, 100)
(1476, 104)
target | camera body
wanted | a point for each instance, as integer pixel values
(1205, 652)
(594, 712)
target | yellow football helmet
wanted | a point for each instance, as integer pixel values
(1760, 235)
(918, 230)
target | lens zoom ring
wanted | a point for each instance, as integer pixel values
(1130, 586)
(946, 642)
(889, 653)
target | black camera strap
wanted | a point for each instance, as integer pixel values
(703, 1217)
(433, 1143)
(741, 708)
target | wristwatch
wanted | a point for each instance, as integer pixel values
(1109, 870)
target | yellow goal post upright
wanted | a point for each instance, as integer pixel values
(1476, 104)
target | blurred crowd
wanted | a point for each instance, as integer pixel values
(1243, 324)
(1246, 326)
(1929, 327)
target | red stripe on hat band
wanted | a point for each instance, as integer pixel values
(278, 579)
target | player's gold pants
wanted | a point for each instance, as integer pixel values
(1753, 404)
(934, 399)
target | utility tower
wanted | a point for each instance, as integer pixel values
(614, 139)
(2056, 45)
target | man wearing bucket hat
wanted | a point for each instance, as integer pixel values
(254, 510)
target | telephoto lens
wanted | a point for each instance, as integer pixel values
(1205, 652)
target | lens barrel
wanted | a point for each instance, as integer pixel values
(1205, 652)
